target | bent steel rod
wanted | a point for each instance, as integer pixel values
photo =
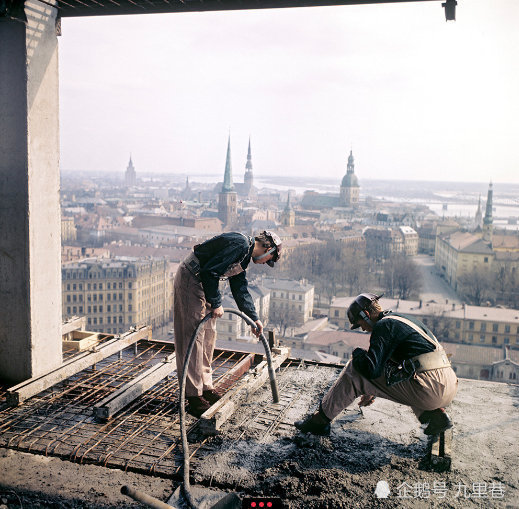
(182, 410)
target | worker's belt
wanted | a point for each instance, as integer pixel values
(432, 360)
(400, 372)
(193, 265)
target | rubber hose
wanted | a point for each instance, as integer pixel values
(182, 410)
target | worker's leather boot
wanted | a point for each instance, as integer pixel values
(211, 395)
(317, 424)
(197, 405)
(438, 421)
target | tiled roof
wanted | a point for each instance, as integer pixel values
(474, 354)
(289, 285)
(450, 310)
(326, 338)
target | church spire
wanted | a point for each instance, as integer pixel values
(248, 178)
(228, 186)
(479, 214)
(248, 165)
(488, 220)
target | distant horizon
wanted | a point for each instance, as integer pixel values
(219, 177)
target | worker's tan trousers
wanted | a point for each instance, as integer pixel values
(425, 391)
(189, 307)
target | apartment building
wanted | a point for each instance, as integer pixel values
(291, 299)
(457, 323)
(115, 294)
(232, 327)
(68, 229)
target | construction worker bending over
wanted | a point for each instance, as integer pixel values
(404, 363)
(196, 293)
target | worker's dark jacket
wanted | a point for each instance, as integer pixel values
(390, 339)
(216, 255)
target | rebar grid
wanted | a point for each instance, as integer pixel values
(143, 437)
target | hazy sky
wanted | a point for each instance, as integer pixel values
(414, 96)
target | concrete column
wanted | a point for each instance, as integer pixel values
(30, 228)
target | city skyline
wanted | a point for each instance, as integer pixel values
(413, 96)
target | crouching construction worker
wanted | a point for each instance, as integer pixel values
(196, 293)
(404, 363)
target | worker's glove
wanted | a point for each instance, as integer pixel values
(258, 329)
(366, 400)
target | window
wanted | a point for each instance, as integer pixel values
(130, 296)
(482, 338)
(81, 309)
(486, 259)
(120, 319)
(494, 340)
(300, 297)
(68, 287)
(471, 337)
(120, 286)
(89, 321)
(130, 284)
(109, 296)
(100, 309)
(506, 341)
(129, 307)
(74, 286)
(336, 312)
(458, 324)
(495, 327)
(100, 320)
(100, 286)
(95, 286)
(89, 286)
(471, 325)
(109, 320)
(483, 327)
(68, 310)
(109, 308)
(95, 309)
(230, 328)
(89, 309)
(95, 321)
(507, 329)
(68, 298)
(120, 296)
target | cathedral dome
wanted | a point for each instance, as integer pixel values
(350, 180)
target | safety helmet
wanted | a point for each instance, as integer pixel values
(275, 241)
(361, 303)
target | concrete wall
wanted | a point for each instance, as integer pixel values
(30, 229)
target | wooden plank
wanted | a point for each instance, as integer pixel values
(33, 386)
(110, 405)
(213, 418)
